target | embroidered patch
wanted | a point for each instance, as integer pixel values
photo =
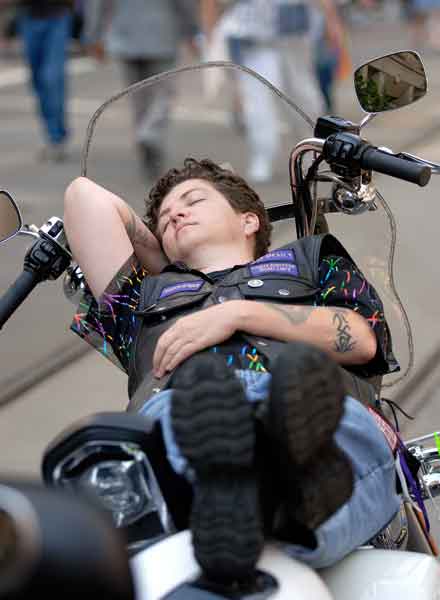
(277, 255)
(274, 268)
(386, 429)
(184, 286)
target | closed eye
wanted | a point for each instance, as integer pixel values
(163, 226)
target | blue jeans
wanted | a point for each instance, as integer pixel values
(45, 43)
(374, 500)
(326, 61)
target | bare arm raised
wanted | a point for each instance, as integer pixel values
(104, 231)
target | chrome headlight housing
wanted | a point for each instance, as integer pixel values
(119, 476)
(118, 461)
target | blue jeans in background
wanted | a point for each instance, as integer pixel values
(374, 501)
(46, 42)
(326, 62)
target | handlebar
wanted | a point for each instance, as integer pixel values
(59, 545)
(46, 259)
(376, 160)
(17, 293)
(349, 151)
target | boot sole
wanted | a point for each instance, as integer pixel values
(306, 406)
(214, 428)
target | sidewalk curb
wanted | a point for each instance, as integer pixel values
(43, 369)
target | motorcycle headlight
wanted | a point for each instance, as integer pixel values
(118, 460)
(119, 487)
(119, 476)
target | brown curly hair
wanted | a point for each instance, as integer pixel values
(234, 188)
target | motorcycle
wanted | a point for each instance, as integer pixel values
(118, 458)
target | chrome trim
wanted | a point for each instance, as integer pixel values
(297, 154)
(31, 230)
(135, 452)
(429, 475)
(369, 117)
(422, 438)
(316, 144)
(74, 284)
(435, 167)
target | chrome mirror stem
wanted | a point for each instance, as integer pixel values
(367, 119)
(31, 230)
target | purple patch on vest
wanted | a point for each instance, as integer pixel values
(178, 288)
(277, 255)
(274, 269)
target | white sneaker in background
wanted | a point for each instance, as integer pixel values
(260, 171)
(52, 153)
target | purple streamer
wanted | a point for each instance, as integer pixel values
(414, 486)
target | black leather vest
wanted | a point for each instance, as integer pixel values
(287, 275)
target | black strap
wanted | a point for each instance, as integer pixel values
(393, 407)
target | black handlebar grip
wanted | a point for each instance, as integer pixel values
(16, 294)
(60, 545)
(389, 164)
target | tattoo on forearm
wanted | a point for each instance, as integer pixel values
(344, 340)
(296, 315)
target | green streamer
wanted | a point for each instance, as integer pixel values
(437, 441)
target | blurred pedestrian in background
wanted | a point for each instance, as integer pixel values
(331, 58)
(78, 20)
(424, 20)
(144, 36)
(45, 27)
(272, 37)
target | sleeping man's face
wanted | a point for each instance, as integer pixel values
(194, 215)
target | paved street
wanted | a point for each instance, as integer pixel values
(38, 336)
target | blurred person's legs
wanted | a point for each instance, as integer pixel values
(433, 24)
(54, 77)
(299, 79)
(46, 43)
(417, 23)
(326, 64)
(151, 106)
(424, 19)
(324, 54)
(288, 66)
(259, 107)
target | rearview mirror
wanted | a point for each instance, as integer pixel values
(10, 217)
(390, 82)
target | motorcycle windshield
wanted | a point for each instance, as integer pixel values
(235, 117)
